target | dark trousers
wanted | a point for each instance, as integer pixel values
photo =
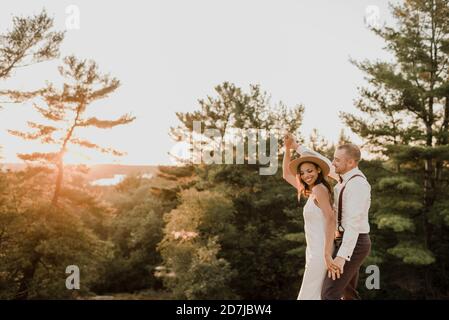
(346, 286)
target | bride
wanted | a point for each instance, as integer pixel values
(308, 175)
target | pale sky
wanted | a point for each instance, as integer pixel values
(168, 54)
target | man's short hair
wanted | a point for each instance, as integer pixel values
(351, 150)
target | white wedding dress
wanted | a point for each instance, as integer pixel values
(315, 270)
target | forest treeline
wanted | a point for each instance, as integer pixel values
(224, 231)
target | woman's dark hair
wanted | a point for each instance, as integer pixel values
(319, 179)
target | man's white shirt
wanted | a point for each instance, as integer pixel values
(356, 204)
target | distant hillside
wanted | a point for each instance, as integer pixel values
(102, 171)
(98, 171)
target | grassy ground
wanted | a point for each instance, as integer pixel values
(141, 295)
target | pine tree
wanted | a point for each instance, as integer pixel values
(235, 109)
(38, 241)
(30, 41)
(65, 111)
(259, 248)
(407, 104)
(318, 143)
(343, 138)
(191, 250)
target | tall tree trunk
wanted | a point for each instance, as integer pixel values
(429, 181)
(60, 163)
(58, 183)
(429, 190)
(443, 140)
(28, 275)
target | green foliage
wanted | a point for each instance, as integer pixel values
(135, 230)
(30, 40)
(297, 237)
(256, 236)
(398, 184)
(412, 253)
(38, 241)
(395, 222)
(190, 248)
(65, 112)
(440, 213)
(225, 231)
(405, 119)
(235, 109)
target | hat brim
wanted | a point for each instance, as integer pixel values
(293, 165)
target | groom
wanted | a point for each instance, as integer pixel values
(355, 203)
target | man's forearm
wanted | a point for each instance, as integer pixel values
(349, 241)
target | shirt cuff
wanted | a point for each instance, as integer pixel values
(344, 253)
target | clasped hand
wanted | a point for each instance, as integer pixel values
(335, 267)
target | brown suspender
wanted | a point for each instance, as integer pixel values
(340, 203)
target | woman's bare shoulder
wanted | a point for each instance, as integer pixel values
(320, 190)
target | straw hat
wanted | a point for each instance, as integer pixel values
(308, 157)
